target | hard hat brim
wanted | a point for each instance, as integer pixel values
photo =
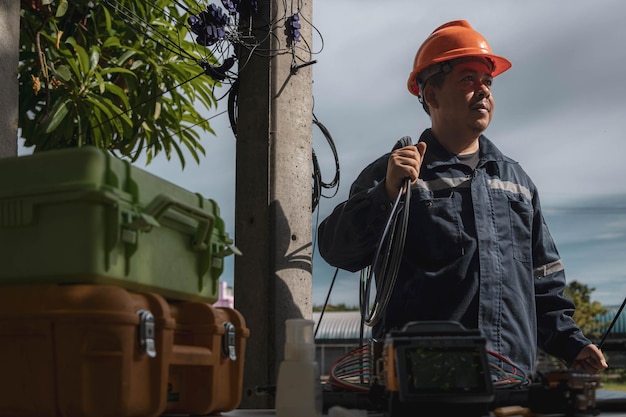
(500, 65)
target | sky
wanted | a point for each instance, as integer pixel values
(560, 112)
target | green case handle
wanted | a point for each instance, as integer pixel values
(161, 204)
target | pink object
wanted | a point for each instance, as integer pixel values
(225, 296)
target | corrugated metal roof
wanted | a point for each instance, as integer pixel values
(620, 324)
(340, 325)
(345, 325)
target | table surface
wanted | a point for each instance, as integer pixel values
(603, 398)
(266, 413)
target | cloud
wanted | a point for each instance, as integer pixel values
(559, 109)
(559, 103)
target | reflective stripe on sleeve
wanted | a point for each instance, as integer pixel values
(548, 269)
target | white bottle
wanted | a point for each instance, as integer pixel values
(299, 391)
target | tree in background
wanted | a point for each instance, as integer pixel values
(116, 74)
(587, 312)
(586, 317)
(336, 307)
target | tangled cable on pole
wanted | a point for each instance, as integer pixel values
(318, 184)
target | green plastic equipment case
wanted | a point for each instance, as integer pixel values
(81, 215)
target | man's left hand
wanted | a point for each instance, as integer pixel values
(590, 359)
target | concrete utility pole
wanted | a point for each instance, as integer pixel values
(9, 57)
(273, 277)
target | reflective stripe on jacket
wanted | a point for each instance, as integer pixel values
(477, 251)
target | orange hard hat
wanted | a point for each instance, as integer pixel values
(452, 40)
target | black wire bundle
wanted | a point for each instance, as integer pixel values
(386, 262)
(318, 184)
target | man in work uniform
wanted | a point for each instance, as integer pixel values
(477, 249)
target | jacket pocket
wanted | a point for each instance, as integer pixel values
(520, 214)
(434, 237)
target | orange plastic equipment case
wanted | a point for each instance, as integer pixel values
(74, 351)
(102, 351)
(206, 368)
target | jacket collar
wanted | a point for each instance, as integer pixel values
(489, 152)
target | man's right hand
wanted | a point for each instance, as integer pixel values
(403, 163)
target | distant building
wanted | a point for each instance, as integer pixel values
(338, 334)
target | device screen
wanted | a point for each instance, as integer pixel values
(442, 370)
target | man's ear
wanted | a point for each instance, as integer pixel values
(430, 96)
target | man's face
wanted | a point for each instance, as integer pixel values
(464, 101)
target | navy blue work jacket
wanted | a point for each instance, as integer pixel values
(477, 251)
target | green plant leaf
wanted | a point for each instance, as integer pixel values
(100, 81)
(94, 57)
(63, 73)
(81, 54)
(61, 8)
(106, 68)
(119, 70)
(107, 20)
(118, 92)
(111, 42)
(57, 115)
